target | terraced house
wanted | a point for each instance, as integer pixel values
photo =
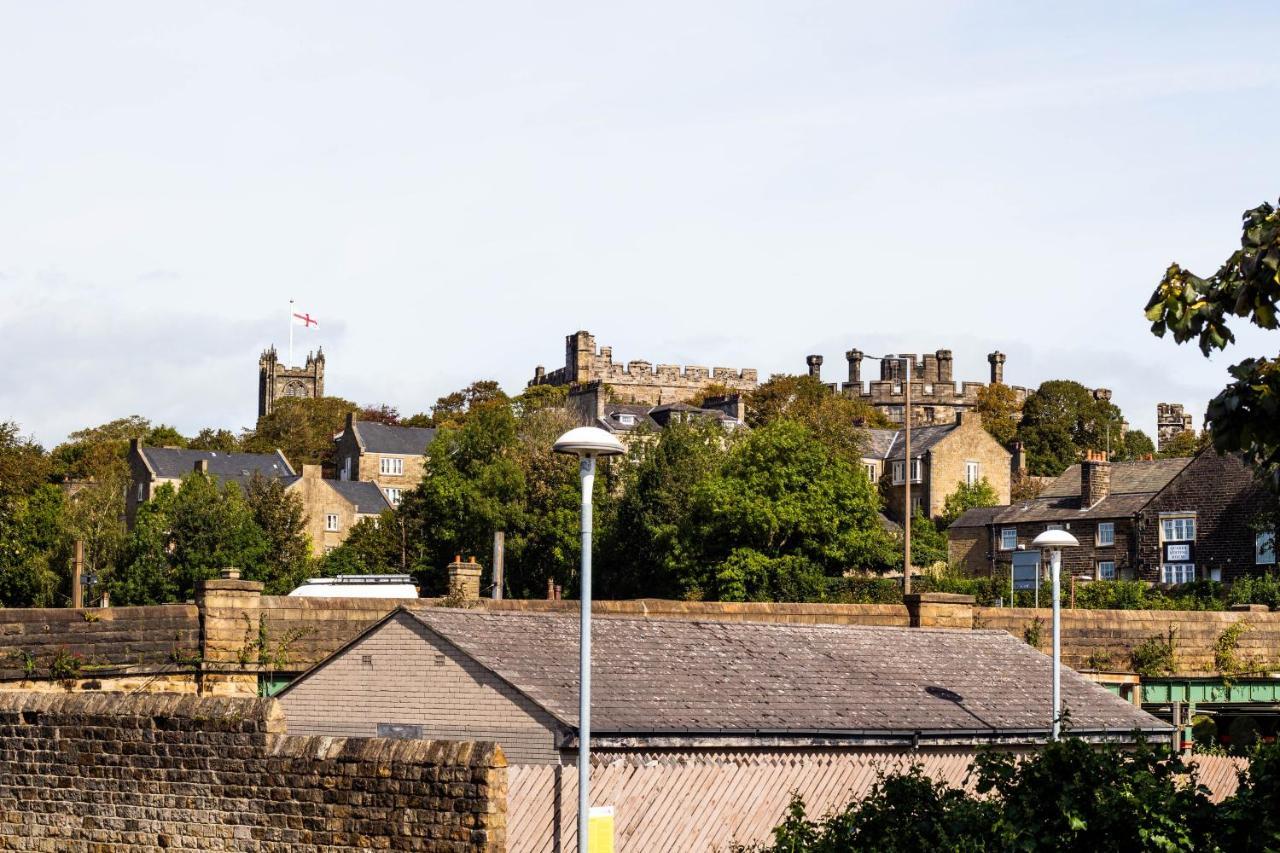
(393, 457)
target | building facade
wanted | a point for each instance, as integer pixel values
(638, 381)
(277, 381)
(152, 467)
(393, 457)
(334, 506)
(590, 404)
(1171, 420)
(942, 457)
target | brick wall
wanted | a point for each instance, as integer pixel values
(1084, 559)
(406, 676)
(112, 772)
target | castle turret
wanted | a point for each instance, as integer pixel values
(815, 365)
(854, 357)
(996, 359)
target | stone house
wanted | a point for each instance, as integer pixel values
(591, 404)
(335, 506)
(942, 457)
(637, 381)
(693, 687)
(152, 467)
(1159, 520)
(394, 457)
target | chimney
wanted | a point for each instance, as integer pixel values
(201, 466)
(815, 365)
(464, 578)
(997, 367)
(135, 446)
(968, 417)
(1095, 478)
(311, 472)
(854, 357)
(351, 420)
(1017, 459)
(944, 366)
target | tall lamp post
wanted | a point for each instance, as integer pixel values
(906, 445)
(1055, 541)
(586, 443)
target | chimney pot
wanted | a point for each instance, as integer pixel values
(1095, 478)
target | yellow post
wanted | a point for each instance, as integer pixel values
(600, 829)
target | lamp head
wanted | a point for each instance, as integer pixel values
(1055, 539)
(588, 441)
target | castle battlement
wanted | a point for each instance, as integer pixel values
(639, 381)
(276, 380)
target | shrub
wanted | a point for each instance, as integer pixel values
(1153, 657)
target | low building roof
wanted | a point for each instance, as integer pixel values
(177, 462)
(404, 441)
(366, 497)
(1133, 485)
(890, 444)
(978, 516)
(684, 678)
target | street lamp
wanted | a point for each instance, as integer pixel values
(586, 443)
(1055, 541)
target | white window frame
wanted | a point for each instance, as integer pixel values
(142, 492)
(332, 522)
(1264, 548)
(871, 470)
(627, 419)
(915, 470)
(1177, 573)
(393, 496)
(1178, 528)
(899, 471)
(917, 505)
(1007, 533)
(391, 466)
(1110, 537)
(1104, 573)
(972, 472)
(1055, 525)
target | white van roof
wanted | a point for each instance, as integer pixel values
(358, 586)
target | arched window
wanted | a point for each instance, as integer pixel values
(295, 389)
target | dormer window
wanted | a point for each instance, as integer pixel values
(627, 419)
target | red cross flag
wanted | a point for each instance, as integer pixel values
(305, 320)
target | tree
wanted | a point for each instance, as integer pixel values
(1135, 445)
(1060, 420)
(34, 549)
(381, 413)
(220, 440)
(967, 496)
(783, 493)
(1001, 410)
(1244, 416)
(838, 422)
(301, 427)
(23, 463)
(1186, 443)
(372, 547)
(452, 409)
(283, 519)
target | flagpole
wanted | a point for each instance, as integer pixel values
(291, 333)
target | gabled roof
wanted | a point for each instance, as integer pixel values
(405, 441)
(1133, 486)
(978, 516)
(178, 462)
(684, 678)
(891, 443)
(366, 497)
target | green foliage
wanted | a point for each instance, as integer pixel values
(23, 464)
(1001, 411)
(928, 544)
(1187, 443)
(1226, 658)
(1154, 656)
(1031, 632)
(221, 440)
(966, 496)
(34, 549)
(1249, 819)
(301, 427)
(837, 422)
(65, 665)
(1070, 796)
(1245, 416)
(283, 519)
(1060, 420)
(1262, 589)
(1135, 445)
(373, 547)
(452, 410)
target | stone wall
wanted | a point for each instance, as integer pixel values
(112, 772)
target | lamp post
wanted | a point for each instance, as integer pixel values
(906, 449)
(586, 443)
(1055, 541)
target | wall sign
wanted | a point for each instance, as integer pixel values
(1179, 552)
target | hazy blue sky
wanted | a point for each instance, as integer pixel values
(451, 188)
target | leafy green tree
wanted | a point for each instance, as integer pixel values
(220, 440)
(1245, 416)
(537, 397)
(283, 519)
(1060, 420)
(1135, 445)
(783, 493)
(1001, 410)
(928, 543)
(145, 575)
(650, 549)
(373, 547)
(1187, 443)
(301, 427)
(967, 496)
(23, 463)
(381, 413)
(35, 549)
(452, 409)
(837, 422)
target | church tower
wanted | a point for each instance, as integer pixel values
(276, 380)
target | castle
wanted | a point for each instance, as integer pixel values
(935, 397)
(1171, 419)
(638, 381)
(276, 380)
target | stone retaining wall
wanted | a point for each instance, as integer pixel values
(115, 772)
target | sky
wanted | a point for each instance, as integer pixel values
(451, 188)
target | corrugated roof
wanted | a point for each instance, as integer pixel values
(674, 676)
(366, 497)
(178, 462)
(405, 441)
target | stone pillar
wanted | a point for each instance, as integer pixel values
(854, 357)
(815, 365)
(464, 578)
(939, 610)
(945, 365)
(228, 607)
(996, 360)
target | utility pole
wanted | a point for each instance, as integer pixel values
(906, 515)
(77, 576)
(499, 546)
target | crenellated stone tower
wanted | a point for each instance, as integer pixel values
(1171, 420)
(276, 380)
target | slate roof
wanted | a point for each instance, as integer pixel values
(613, 423)
(1133, 485)
(177, 462)
(405, 441)
(891, 443)
(687, 677)
(979, 516)
(366, 497)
